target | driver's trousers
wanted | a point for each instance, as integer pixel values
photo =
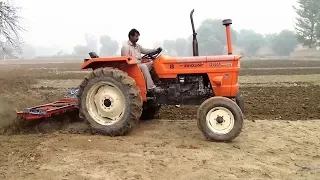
(146, 68)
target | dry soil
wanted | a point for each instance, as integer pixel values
(280, 139)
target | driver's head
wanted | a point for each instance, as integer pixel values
(134, 35)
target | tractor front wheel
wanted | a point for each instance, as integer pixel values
(110, 101)
(219, 119)
(240, 102)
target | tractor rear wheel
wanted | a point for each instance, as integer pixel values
(110, 101)
(219, 119)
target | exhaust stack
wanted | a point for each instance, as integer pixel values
(194, 41)
(227, 23)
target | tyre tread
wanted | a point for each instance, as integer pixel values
(224, 102)
(135, 100)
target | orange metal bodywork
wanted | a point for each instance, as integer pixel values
(222, 70)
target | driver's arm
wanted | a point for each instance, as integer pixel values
(145, 50)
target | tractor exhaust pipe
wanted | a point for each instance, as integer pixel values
(227, 23)
(194, 34)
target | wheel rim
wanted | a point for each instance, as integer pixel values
(220, 120)
(105, 103)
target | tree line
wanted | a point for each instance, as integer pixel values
(108, 46)
(307, 26)
(212, 38)
(212, 41)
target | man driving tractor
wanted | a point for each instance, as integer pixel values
(132, 48)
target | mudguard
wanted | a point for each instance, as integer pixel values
(107, 61)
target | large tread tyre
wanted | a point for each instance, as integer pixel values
(212, 127)
(124, 88)
(240, 102)
(150, 111)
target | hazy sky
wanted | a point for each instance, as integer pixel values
(64, 23)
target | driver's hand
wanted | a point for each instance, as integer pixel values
(159, 49)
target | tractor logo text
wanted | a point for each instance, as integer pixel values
(215, 64)
(192, 65)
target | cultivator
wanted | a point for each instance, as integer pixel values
(69, 103)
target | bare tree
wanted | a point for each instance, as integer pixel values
(10, 27)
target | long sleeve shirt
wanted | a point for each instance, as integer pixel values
(128, 49)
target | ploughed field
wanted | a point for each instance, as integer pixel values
(280, 138)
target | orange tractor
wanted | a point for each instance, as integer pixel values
(114, 97)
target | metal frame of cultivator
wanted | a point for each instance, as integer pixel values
(69, 103)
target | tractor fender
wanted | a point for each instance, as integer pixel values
(103, 61)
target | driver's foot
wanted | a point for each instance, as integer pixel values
(157, 90)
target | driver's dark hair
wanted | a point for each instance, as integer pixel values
(132, 32)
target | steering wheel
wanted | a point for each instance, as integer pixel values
(152, 55)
